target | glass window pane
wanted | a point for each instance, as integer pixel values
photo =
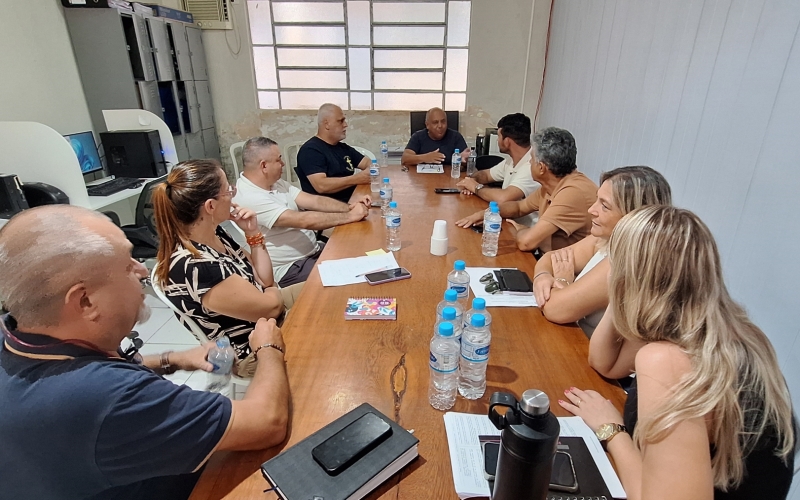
(309, 35)
(311, 57)
(360, 73)
(260, 22)
(312, 100)
(409, 81)
(307, 12)
(360, 100)
(420, 58)
(455, 102)
(458, 14)
(456, 72)
(313, 79)
(408, 35)
(268, 100)
(264, 63)
(406, 102)
(358, 24)
(408, 12)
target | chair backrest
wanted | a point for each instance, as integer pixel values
(236, 157)
(487, 161)
(366, 152)
(185, 320)
(145, 215)
(417, 120)
(290, 157)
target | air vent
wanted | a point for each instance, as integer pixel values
(210, 14)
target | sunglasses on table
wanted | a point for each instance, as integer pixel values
(491, 284)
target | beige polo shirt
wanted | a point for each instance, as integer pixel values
(567, 208)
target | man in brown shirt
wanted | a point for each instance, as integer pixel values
(563, 201)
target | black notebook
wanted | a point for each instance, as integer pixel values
(296, 475)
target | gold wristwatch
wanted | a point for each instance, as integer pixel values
(478, 187)
(606, 432)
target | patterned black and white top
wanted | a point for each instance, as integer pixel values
(191, 277)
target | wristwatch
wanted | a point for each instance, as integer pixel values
(478, 188)
(606, 432)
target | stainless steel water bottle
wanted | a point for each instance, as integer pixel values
(528, 443)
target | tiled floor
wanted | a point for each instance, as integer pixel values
(162, 332)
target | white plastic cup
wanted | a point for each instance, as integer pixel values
(440, 229)
(439, 238)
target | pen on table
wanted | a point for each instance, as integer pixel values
(373, 271)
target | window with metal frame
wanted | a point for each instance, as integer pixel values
(360, 54)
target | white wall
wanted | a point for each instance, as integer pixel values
(708, 93)
(39, 77)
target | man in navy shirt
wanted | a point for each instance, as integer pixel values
(327, 166)
(436, 143)
(78, 418)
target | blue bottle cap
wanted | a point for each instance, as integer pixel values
(492, 203)
(450, 295)
(478, 303)
(446, 329)
(478, 320)
(386, 180)
(449, 313)
(392, 204)
(375, 160)
(459, 265)
(494, 209)
(456, 151)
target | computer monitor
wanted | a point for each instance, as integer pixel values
(85, 149)
(418, 120)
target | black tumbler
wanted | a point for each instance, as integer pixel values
(528, 443)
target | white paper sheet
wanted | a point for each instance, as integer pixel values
(346, 271)
(479, 290)
(466, 457)
(427, 168)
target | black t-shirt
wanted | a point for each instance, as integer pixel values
(318, 157)
(421, 143)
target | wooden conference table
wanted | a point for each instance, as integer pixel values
(334, 365)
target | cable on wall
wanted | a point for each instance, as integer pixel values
(544, 66)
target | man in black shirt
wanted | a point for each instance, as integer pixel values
(436, 143)
(325, 165)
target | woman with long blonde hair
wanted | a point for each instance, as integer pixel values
(713, 417)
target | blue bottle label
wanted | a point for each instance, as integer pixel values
(477, 353)
(386, 193)
(373, 170)
(461, 290)
(494, 227)
(392, 221)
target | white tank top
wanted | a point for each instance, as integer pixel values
(590, 322)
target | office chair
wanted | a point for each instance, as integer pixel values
(487, 161)
(417, 120)
(193, 328)
(236, 155)
(290, 158)
(366, 152)
(142, 233)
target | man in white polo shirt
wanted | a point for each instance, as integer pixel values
(288, 217)
(513, 139)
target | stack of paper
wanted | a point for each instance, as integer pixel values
(349, 271)
(479, 290)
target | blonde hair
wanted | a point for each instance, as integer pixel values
(637, 186)
(666, 285)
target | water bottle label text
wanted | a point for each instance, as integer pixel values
(476, 353)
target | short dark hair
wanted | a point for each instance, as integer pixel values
(516, 127)
(252, 145)
(555, 147)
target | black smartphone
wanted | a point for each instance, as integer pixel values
(490, 452)
(562, 478)
(337, 452)
(446, 190)
(398, 273)
(477, 229)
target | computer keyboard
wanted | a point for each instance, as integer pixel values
(113, 186)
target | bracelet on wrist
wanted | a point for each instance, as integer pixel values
(273, 346)
(166, 367)
(564, 280)
(255, 240)
(541, 273)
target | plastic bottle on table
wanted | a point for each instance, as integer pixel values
(384, 155)
(392, 227)
(451, 300)
(478, 307)
(458, 280)
(444, 356)
(455, 164)
(489, 210)
(386, 195)
(222, 357)
(471, 163)
(475, 342)
(449, 315)
(491, 232)
(374, 177)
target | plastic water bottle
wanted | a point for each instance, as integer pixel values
(374, 177)
(488, 211)
(444, 368)
(450, 300)
(471, 163)
(222, 357)
(386, 195)
(458, 280)
(455, 164)
(384, 155)
(393, 227)
(475, 342)
(449, 316)
(491, 232)
(478, 307)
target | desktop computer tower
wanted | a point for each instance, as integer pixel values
(133, 153)
(12, 199)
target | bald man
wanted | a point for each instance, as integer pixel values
(327, 166)
(436, 143)
(79, 418)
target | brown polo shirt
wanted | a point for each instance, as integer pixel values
(567, 208)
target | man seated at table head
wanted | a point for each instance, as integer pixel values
(563, 201)
(513, 139)
(326, 165)
(78, 417)
(435, 143)
(287, 216)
